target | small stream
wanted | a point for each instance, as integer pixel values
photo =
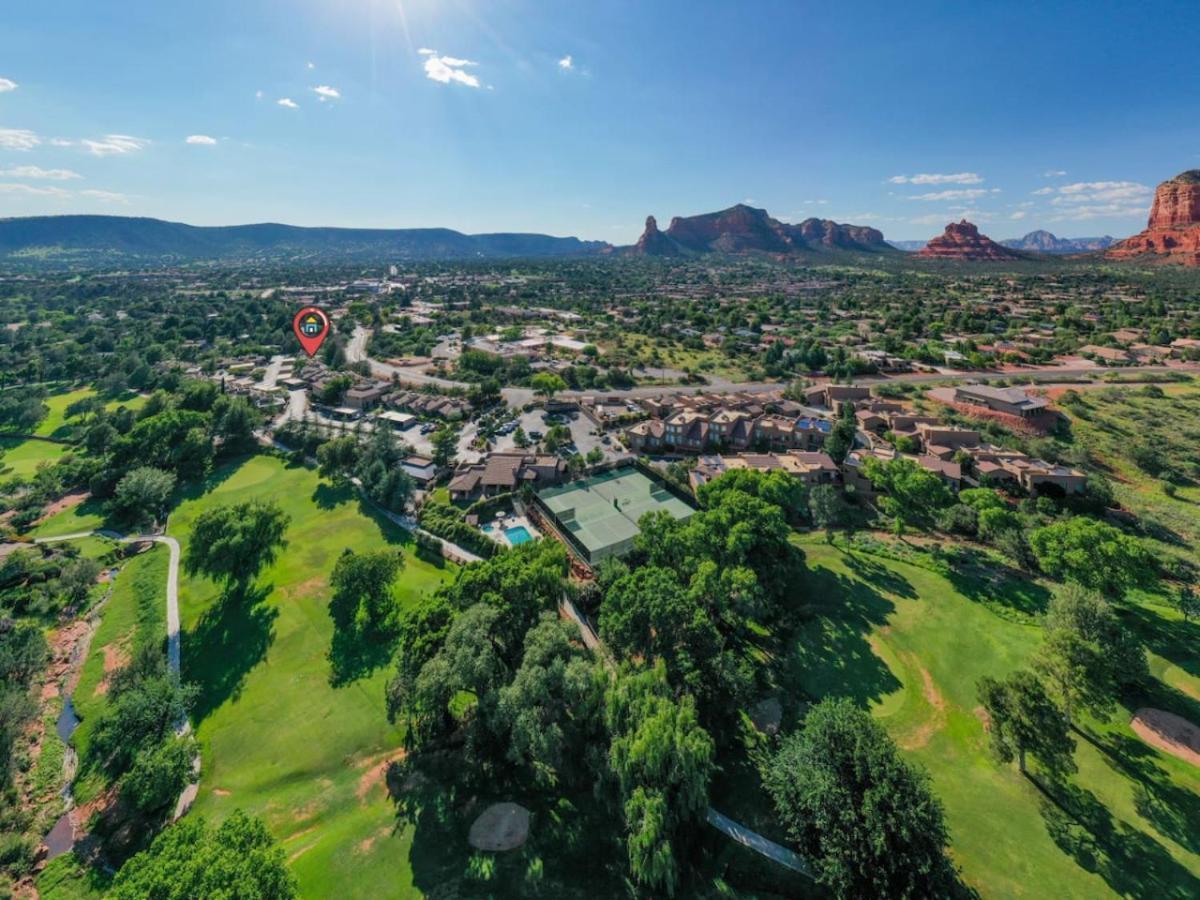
(62, 836)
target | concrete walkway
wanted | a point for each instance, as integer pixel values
(757, 842)
(183, 726)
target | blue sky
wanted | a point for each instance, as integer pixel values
(583, 118)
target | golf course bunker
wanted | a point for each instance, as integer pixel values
(1168, 732)
(502, 826)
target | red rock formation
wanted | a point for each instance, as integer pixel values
(962, 240)
(743, 228)
(654, 243)
(1173, 231)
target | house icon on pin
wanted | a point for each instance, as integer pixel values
(311, 325)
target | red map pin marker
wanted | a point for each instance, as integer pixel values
(312, 327)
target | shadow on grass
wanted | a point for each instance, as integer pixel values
(878, 575)
(1132, 863)
(1001, 587)
(331, 496)
(832, 654)
(1171, 809)
(230, 639)
(353, 656)
(1172, 639)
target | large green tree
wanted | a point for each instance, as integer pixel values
(190, 860)
(866, 819)
(141, 495)
(234, 542)
(662, 760)
(551, 710)
(1022, 719)
(362, 585)
(1093, 554)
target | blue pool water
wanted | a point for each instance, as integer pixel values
(518, 534)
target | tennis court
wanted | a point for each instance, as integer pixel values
(602, 512)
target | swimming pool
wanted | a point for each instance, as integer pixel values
(518, 534)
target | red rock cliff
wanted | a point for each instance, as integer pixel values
(962, 240)
(1173, 231)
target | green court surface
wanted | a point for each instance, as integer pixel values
(602, 512)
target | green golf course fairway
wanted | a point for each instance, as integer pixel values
(21, 456)
(277, 739)
(910, 645)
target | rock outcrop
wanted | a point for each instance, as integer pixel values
(1045, 242)
(654, 243)
(962, 240)
(1173, 231)
(743, 228)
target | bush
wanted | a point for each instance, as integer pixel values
(447, 523)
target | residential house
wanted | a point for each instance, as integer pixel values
(503, 473)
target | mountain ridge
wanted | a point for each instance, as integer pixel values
(143, 236)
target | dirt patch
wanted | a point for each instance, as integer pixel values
(931, 692)
(502, 826)
(376, 774)
(115, 657)
(365, 845)
(305, 588)
(221, 792)
(919, 736)
(982, 715)
(1168, 732)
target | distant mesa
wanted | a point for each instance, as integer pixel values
(962, 240)
(1045, 242)
(743, 229)
(1173, 232)
(75, 237)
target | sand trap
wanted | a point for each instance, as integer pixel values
(502, 826)
(1168, 732)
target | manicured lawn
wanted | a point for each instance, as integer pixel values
(279, 739)
(56, 418)
(910, 645)
(22, 456)
(86, 516)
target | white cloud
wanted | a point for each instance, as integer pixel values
(40, 173)
(927, 178)
(566, 63)
(18, 139)
(6, 85)
(445, 69)
(34, 190)
(115, 144)
(1041, 192)
(310, 65)
(1084, 212)
(325, 92)
(288, 102)
(1018, 216)
(1054, 173)
(956, 194)
(200, 139)
(105, 196)
(1101, 192)
(258, 95)
(61, 142)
